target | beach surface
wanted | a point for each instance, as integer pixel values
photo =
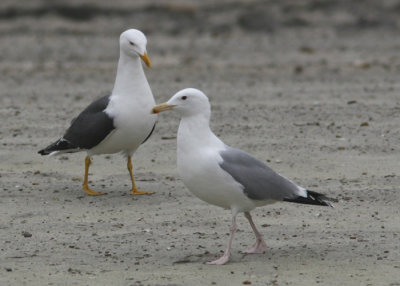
(309, 87)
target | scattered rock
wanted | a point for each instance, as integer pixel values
(306, 50)
(362, 64)
(298, 69)
(26, 234)
(257, 20)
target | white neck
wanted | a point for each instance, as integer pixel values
(195, 132)
(130, 76)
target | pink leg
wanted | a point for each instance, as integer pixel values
(224, 258)
(260, 246)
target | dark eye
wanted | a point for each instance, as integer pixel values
(131, 43)
(184, 97)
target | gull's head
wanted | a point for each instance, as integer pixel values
(133, 43)
(187, 102)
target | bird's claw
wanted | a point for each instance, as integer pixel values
(138, 192)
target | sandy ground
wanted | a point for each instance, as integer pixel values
(310, 87)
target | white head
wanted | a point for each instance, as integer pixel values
(133, 43)
(187, 102)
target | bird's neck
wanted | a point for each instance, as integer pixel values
(195, 132)
(130, 76)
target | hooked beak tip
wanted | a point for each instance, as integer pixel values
(145, 58)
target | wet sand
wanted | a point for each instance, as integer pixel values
(312, 90)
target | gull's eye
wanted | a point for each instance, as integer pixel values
(131, 43)
(184, 97)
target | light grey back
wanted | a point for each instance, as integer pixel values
(260, 182)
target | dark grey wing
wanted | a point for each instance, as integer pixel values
(86, 131)
(91, 126)
(260, 182)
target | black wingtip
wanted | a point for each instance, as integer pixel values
(313, 198)
(59, 145)
(42, 152)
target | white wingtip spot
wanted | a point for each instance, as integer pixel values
(54, 153)
(302, 192)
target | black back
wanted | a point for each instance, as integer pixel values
(86, 131)
(91, 126)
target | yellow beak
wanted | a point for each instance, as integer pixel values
(146, 59)
(162, 107)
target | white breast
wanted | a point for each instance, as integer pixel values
(133, 123)
(202, 175)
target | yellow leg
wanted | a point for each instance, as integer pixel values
(135, 190)
(86, 188)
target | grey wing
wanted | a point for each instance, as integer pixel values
(91, 126)
(260, 182)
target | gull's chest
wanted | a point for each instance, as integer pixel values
(132, 125)
(202, 175)
(131, 113)
(199, 159)
(194, 163)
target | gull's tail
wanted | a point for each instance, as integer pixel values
(60, 146)
(313, 198)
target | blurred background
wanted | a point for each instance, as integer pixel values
(212, 17)
(185, 20)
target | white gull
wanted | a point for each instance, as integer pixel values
(224, 176)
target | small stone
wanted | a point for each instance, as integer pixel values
(298, 69)
(362, 64)
(26, 234)
(306, 50)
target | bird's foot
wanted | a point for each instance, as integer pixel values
(220, 261)
(90, 192)
(259, 247)
(138, 192)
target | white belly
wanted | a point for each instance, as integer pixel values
(132, 126)
(206, 180)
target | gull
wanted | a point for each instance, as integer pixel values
(224, 176)
(119, 122)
